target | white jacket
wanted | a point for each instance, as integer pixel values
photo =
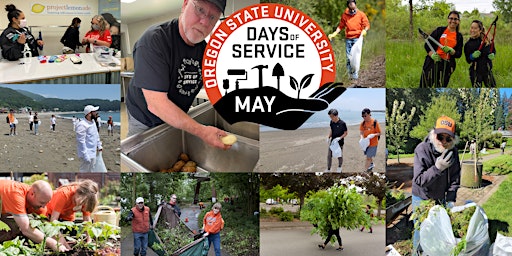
(87, 139)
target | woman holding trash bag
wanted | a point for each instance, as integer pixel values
(440, 60)
(16, 39)
(480, 60)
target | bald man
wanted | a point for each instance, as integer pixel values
(17, 201)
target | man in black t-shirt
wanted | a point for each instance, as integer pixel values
(167, 61)
(338, 131)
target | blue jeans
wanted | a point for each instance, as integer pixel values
(36, 128)
(140, 243)
(215, 239)
(348, 46)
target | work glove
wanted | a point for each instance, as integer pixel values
(444, 160)
(364, 32)
(450, 204)
(491, 56)
(435, 57)
(448, 49)
(331, 36)
(475, 54)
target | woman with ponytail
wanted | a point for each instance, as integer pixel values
(16, 36)
(480, 60)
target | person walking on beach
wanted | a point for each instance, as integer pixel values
(436, 174)
(212, 225)
(30, 120)
(75, 121)
(11, 120)
(142, 222)
(110, 126)
(370, 129)
(336, 139)
(53, 121)
(98, 122)
(36, 124)
(87, 139)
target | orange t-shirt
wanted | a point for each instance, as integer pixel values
(449, 39)
(63, 202)
(14, 198)
(213, 224)
(367, 129)
(11, 117)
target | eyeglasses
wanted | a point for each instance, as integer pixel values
(201, 13)
(447, 138)
(455, 19)
(140, 203)
(365, 115)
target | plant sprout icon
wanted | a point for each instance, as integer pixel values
(305, 82)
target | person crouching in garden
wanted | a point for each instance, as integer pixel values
(212, 225)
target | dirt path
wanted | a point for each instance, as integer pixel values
(375, 75)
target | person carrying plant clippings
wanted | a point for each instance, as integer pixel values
(440, 61)
(17, 201)
(68, 199)
(436, 169)
(355, 23)
(142, 222)
(480, 60)
(212, 225)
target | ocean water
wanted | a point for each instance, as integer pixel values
(322, 120)
(116, 116)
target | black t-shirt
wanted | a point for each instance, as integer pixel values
(164, 63)
(338, 129)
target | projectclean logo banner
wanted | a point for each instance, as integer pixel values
(270, 64)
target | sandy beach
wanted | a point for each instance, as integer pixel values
(305, 150)
(49, 151)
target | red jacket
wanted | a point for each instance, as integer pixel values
(354, 24)
(140, 222)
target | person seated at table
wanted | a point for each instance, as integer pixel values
(71, 36)
(115, 30)
(99, 35)
(16, 36)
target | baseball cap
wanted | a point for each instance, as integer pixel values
(89, 108)
(221, 4)
(139, 200)
(446, 125)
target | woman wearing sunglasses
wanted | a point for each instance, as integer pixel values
(436, 168)
(440, 61)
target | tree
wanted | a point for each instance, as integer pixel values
(505, 8)
(441, 105)
(397, 130)
(411, 32)
(242, 186)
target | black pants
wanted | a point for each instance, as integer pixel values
(435, 74)
(31, 124)
(481, 77)
(331, 233)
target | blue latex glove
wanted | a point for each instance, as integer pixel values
(450, 205)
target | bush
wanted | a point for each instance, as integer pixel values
(286, 216)
(501, 165)
(276, 210)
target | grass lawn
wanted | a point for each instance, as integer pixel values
(498, 210)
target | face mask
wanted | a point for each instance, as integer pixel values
(95, 27)
(23, 23)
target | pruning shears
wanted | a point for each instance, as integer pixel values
(493, 24)
(428, 37)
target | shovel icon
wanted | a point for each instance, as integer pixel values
(278, 72)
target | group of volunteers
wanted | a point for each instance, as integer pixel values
(440, 62)
(17, 37)
(19, 201)
(142, 223)
(369, 132)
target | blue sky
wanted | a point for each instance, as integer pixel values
(356, 99)
(71, 91)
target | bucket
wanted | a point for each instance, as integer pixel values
(106, 214)
(468, 178)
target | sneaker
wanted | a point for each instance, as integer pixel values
(327, 170)
(338, 170)
(340, 248)
(321, 246)
(371, 166)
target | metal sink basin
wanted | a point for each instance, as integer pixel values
(158, 148)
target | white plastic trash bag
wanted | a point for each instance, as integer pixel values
(335, 148)
(436, 234)
(364, 143)
(502, 245)
(99, 166)
(355, 54)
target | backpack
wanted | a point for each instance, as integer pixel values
(374, 126)
(7, 119)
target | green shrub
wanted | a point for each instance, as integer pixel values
(263, 211)
(276, 210)
(501, 165)
(286, 216)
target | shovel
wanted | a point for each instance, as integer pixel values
(278, 72)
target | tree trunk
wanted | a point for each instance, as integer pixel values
(379, 207)
(410, 20)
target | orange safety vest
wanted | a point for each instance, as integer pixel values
(140, 222)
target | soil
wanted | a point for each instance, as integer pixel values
(401, 174)
(375, 75)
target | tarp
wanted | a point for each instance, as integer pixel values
(355, 54)
(502, 245)
(154, 239)
(199, 247)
